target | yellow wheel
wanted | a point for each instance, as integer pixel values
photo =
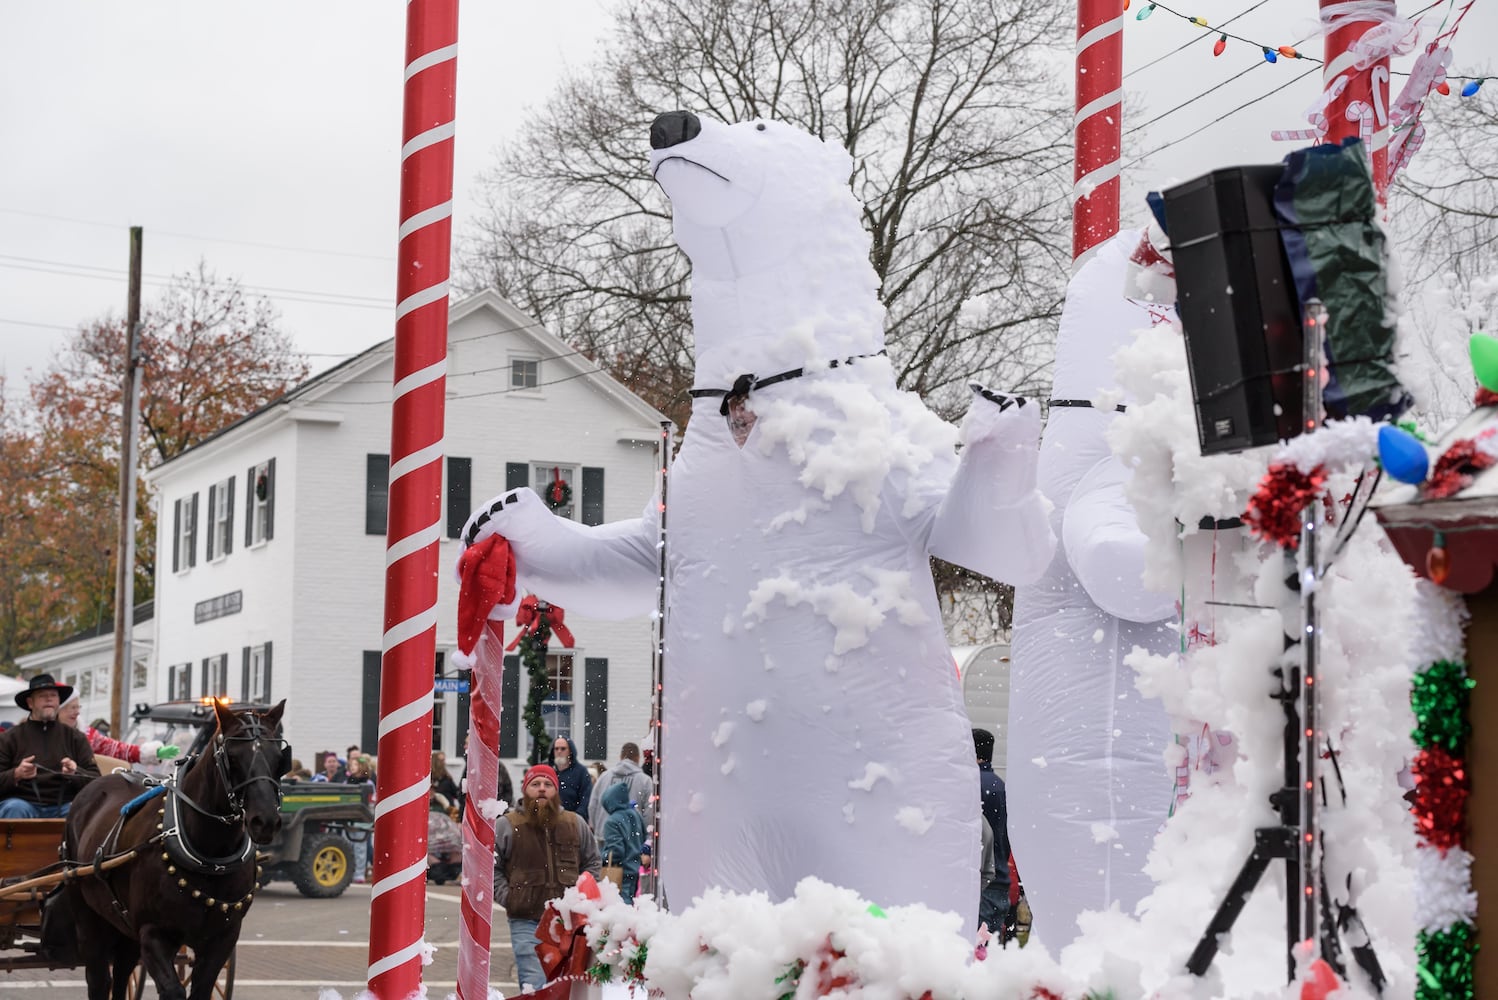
(326, 867)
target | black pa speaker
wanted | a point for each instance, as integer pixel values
(1238, 308)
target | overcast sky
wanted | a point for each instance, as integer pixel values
(264, 138)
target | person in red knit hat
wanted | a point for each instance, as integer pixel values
(540, 851)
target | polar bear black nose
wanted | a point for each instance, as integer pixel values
(672, 128)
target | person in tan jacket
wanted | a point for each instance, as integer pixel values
(540, 851)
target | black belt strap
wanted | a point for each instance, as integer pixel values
(1086, 403)
(745, 384)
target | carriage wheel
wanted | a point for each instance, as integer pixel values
(223, 989)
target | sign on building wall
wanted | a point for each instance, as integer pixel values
(218, 607)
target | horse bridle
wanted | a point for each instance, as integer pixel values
(258, 733)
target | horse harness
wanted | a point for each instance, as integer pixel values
(178, 851)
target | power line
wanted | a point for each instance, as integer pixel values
(1198, 38)
(204, 239)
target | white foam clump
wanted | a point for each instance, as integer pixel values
(492, 809)
(873, 773)
(853, 614)
(756, 709)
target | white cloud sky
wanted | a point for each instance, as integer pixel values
(217, 127)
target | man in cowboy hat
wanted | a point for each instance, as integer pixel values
(540, 850)
(43, 763)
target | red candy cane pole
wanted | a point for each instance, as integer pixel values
(397, 913)
(1366, 95)
(1097, 127)
(477, 907)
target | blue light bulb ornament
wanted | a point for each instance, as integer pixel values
(1483, 349)
(1403, 456)
(1472, 87)
(1269, 54)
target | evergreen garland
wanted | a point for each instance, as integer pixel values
(533, 658)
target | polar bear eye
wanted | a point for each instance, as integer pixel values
(760, 127)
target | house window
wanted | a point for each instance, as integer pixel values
(221, 519)
(542, 479)
(216, 675)
(260, 509)
(556, 707)
(86, 684)
(179, 682)
(376, 493)
(140, 674)
(525, 374)
(257, 674)
(185, 544)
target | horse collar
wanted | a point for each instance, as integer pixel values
(181, 851)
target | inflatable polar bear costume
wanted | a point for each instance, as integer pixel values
(1087, 783)
(814, 725)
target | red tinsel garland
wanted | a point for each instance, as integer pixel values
(1440, 800)
(1485, 397)
(1455, 469)
(1274, 510)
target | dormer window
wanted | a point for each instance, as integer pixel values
(525, 373)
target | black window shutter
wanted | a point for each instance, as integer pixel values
(171, 681)
(270, 509)
(369, 736)
(176, 536)
(249, 507)
(206, 689)
(459, 492)
(192, 534)
(212, 509)
(509, 708)
(244, 677)
(596, 708)
(465, 707)
(517, 474)
(376, 493)
(593, 497)
(266, 679)
(229, 519)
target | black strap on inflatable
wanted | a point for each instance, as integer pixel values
(745, 384)
(1085, 403)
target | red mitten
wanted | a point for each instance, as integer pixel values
(487, 572)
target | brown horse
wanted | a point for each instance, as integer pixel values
(194, 875)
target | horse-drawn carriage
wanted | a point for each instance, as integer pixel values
(147, 878)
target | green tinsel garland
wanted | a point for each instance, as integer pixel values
(1439, 695)
(533, 658)
(1445, 964)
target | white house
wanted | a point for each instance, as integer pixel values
(271, 541)
(85, 663)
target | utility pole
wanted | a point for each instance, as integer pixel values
(124, 591)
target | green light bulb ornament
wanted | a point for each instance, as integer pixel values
(1484, 351)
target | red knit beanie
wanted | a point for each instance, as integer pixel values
(542, 770)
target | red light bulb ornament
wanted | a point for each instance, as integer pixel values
(1288, 51)
(1443, 88)
(1437, 560)
(1220, 46)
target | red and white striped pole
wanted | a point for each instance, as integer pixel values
(1362, 107)
(397, 914)
(476, 910)
(1097, 126)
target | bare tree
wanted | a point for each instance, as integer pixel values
(957, 126)
(1445, 213)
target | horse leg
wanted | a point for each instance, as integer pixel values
(126, 957)
(208, 961)
(95, 941)
(160, 956)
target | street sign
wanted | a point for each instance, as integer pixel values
(451, 685)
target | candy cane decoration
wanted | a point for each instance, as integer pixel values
(1097, 126)
(397, 913)
(1347, 22)
(476, 910)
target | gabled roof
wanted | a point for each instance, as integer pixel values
(557, 350)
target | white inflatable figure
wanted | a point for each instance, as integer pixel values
(814, 725)
(1087, 782)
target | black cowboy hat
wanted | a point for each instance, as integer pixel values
(42, 682)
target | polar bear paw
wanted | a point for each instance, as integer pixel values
(1001, 417)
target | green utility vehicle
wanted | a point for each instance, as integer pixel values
(321, 821)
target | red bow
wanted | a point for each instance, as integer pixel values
(487, 571)
(533, 612)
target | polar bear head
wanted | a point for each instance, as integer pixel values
(780, 259)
